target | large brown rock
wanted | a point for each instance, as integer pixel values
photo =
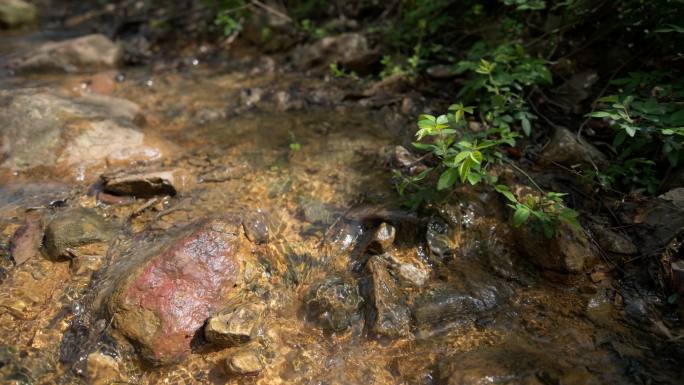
(15, 13)
(82, 53)
(568, 149)
(74, 137)
(567, 251)
(350, 50)
(163, 303)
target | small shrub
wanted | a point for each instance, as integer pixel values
(647, 118)
(465, 157)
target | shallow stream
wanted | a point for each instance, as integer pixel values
(478, 314)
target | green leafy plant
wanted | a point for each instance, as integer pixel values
(230, 14)
(339, 72)
(308, 27)
(526, 5)
(648, 124)
(500, 77)
(465, 156)
(295, 146)
(546, 211)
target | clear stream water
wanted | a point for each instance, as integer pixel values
(326, 197)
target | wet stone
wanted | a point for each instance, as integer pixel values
(391, 316)
(440, 239)
(333, 304)
(76, 232)
(143, 184)
(407, 267)
(15, 13)
(235, 325)
(78, 137)
(27, 240)
(102, 369)
(567, 251)
(403, 158)
(163, 302)
(256, 226)
(383, 238)
(443, 305)
(86, 52)
(244, 362)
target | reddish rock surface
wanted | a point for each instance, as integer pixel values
(163, 303)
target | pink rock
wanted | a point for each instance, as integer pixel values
(164, 302)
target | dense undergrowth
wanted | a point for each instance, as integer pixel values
(512, 57)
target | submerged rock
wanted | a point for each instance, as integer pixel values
(391, 315)
(144, 184)
(509, 365)
(442, 239)
(77, 232)
(82, 53)
(164, 302)
(72, 136)
(383, 238)
(333, 304)
(235, 325)
(27, 239)
(244, 362)
(16, 13)
(103, 370)
(256, 227)
(407, 266)
(443, 305)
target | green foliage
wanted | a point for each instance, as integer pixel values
(338, 72)
(545, 212)
(465, 157)
(295, 146)
(229, 14)
(308, 27)
(501, 75)
(647, 119)
(526, 5)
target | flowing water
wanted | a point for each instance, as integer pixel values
(484, 315)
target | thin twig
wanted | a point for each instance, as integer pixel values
(526, 175)
(272, 10)
(150, 202)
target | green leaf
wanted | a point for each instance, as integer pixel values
(526, 127)
(520, 216)
(568, 214)
(464, 169)
(503, 190)
(474, 178)
(460, 157)
(600, 114)
(423, 146)
(631, 131)
(447, 179)
(476, 156)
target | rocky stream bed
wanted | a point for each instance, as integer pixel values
(235, 221)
